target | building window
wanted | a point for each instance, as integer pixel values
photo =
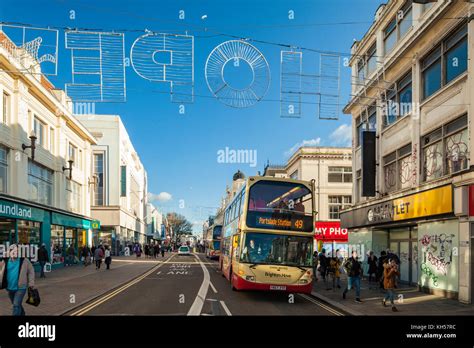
(336, 204)
(366, 121)
(6, 108)
(359, 185)
(79, 159)
(445, 150)
(29, 232)
(366, 65)
(398, 26)
(340, 174)
(51, 140)
(134, 195)
(3, 169)
(123, 181)
(73, 196)
(99, 171)
(397, 169)
(445, 62)
(398, 100)
(294, 175)
(38, 129)
(40, 183)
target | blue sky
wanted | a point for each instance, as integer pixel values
(180, 151)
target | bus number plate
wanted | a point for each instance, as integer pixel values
(277, 287)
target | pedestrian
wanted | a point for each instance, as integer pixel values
(108, 257)
(323, 266)
(84, 255)
(93, 253)
(315, 265)
(372, 262)
(16, 275)
(157, 250)
(390, 276)
(43, 258)
(71, 253)
(147, 250)
(163, 250)
(380, 268)
(98, 255)
(354, 273)
(334, 271)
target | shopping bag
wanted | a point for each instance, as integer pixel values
(47, 267)
(33, 297)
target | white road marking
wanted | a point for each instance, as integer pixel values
(198, 303)
(213, 288)
(114, 293)
(225, 308)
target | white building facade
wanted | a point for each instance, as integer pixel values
(119, 199)
(44, 198)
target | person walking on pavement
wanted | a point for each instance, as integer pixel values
(372, 262)
(43, 258)
(71, 253)
(323, 266)
(315, 265)
(334, 270)
(98, 255)
(16, 275)
(380, 268)
(162, 250)
(93, 252)
(390, 276)
(108, 257)
(354, 274)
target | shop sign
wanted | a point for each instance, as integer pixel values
(20, 211)
(95, 225)
(427, 203)
(70, 221)
(329, 231)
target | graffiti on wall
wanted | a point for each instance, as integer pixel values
(438, 252)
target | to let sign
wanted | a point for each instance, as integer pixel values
(330, 231)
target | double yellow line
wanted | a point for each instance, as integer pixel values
(114, 293)
(322, 305)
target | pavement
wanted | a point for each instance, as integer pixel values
(408, 300)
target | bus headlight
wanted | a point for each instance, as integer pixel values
(250, 278)
(303, 281)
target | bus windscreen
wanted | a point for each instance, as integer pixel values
(280, 206)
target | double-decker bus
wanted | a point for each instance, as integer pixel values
(267, 240)
(213, 243)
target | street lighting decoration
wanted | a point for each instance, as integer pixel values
(69, 169)
(32, 145)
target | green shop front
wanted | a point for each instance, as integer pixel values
(28, 223)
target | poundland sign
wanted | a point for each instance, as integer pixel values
(19, 211)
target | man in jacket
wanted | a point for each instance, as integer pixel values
(354, 274)
(71, 253)
(43, 258)
(16, 275)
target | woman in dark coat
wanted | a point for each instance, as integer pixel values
(372, 261)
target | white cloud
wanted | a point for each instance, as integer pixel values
(342, 136)
(311, 142)
(161, 197)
